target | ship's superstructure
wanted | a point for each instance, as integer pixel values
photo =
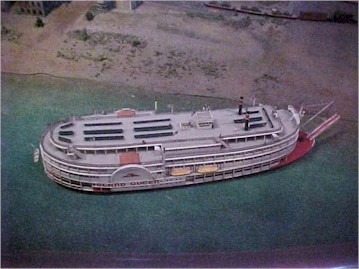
(129, 150)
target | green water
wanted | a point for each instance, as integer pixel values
(311, 202)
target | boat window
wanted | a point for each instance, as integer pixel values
(85, 184)
(74, 182)
(205, 125)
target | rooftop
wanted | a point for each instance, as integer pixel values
(150, 127)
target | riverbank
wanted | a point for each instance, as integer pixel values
(188, 48)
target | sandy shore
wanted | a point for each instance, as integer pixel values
(177, 49)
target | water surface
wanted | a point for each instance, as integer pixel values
(311, 202)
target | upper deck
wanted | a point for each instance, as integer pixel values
(148, 127)
(176, 133)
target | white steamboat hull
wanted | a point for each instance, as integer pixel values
(131, 151)
(231, 164)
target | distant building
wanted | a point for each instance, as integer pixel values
(127, 5)
(119, 5)
(36, 8)
(105, 5)
(318, 10)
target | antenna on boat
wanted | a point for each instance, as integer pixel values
(301, 110)
(171, 106)
(254, 100)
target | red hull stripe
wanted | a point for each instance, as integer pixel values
(303, 146)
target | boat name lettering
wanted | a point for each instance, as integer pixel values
(123, 184)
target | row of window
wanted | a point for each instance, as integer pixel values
(218, 175)
(71, 175)
(226, 156)
(73, 183)
(230, 140)
(120, 150)
(197, 150)
(232, 173)
(245, 139)
(112, 151)
(50, 164)
(228, 163)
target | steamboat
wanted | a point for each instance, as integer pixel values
(130, 150)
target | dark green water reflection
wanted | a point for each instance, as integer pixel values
(311, 202)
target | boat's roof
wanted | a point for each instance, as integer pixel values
(166, 128)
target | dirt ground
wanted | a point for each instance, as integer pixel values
(189, 48)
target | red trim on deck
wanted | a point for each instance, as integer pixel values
(303, 146)
(97, 189)
(131, 157)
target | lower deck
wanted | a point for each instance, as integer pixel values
(167, 182)
(230, 168)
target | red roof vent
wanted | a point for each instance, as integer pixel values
(126, 112)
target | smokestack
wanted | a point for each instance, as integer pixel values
(246, 124)
(240, 105)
